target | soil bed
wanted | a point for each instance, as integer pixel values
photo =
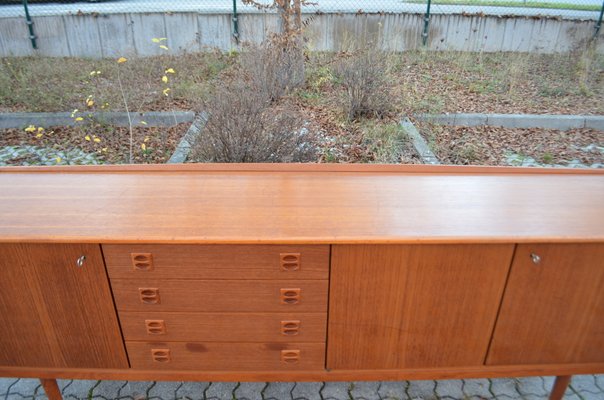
(487, 145)
(103, 144)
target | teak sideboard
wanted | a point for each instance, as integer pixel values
(300, 272)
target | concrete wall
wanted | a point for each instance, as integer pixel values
(115, 35)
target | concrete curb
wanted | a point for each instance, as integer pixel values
(152, 118)
(419, 143)
(188, 140)
(560, 122)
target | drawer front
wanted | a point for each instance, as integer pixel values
(226, 356)
(216, 261)
(151, 295)
(224, 327)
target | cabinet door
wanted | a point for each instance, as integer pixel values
(413, 306)
(553, 307)
(54, 313)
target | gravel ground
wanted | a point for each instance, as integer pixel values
(487, 145)
(88, 144)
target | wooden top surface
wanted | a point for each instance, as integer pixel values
(300, 204)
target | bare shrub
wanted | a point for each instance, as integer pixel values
(275, 67)
(243, 127)
(364, 75)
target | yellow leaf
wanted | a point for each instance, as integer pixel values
(87, 138)
(90, 103)
(170, 71)
(58, 159)
(164, 47)
(78, 119)
(97, 140)
(158, 40)
(121, 60)
(143, 146)
(30, 128)
(143, 123)
(104, 149)
(39, 135)
(40, 129)
(93, 73)
(166, 91)
(146, 139)
(164, 79)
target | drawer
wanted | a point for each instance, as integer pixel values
(226, 356)
(220, 296)
(216, 261)
(224, 327)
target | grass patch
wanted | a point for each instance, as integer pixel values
(515, 4)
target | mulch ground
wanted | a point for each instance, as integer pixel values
(486, 145)
(111, 145)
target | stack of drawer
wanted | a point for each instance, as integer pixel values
(221, 307)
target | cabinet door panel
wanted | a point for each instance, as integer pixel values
(54, 313)
(413, 306)
(553, 307)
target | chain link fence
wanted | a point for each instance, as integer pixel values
(581, 9)
(585, 10)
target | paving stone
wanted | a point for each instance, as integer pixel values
(548, 383)
(192, 390)
(504, 388)
(221, 390)
(307, 390)
(422, 390)
(64, 384)
(108, 389)
(451, 388)
(570, 395)
(5, 384)
(164, 390)
(393, 390)
(25, 388)
(279, 390)
(250, 390)
(531, 386)
(600, 382)
(336, 390)
(365, 390)
(585, 383)
(137, 389)
(79, 389)
(34, 155)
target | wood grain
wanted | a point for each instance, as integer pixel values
(306, 376)
(411, 306)
(217, 261)
(51, 389)
(54, 314)
(220, 295)
(214, 207)
(226, 356)
(224, 327)
(553, 311)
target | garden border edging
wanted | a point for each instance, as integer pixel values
(545, 121)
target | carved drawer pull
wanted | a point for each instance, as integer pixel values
(142, 261)
(290, 356)
(155, 326)
(290, 296)
(149, 295)
(161, 355)
(290, 328)
(290, 261)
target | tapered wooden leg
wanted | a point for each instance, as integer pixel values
(52, 389)
(560, 386)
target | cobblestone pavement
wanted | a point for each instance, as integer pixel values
(583, 387)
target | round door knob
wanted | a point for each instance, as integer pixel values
(80, 261)
(536, 259)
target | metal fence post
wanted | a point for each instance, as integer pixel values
(235, 22)
(426, 24)
(599, 23)
(30, 25)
